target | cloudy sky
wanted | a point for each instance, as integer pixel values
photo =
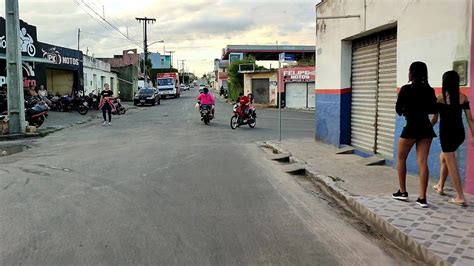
(196, 30)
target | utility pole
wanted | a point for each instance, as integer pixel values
(145, 45)
(279, 93)
(78, 38)
(171, 57)
(182, 64)
(16, 106)
(182, 68)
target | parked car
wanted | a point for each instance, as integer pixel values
(184, 87)
(146, 96)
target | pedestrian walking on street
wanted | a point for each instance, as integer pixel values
(450, 104)
(416, 101)
(107, 104)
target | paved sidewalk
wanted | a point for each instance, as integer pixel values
(442, 230)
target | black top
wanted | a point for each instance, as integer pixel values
(108, 93)
(451, 116)
(416, 101)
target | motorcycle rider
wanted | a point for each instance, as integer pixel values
(244, 103)
(206, 98)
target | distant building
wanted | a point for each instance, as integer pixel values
(362, 59)
(127, 66)
(96, 74)
(158, 60)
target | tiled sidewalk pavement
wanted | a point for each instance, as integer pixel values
(445, 229)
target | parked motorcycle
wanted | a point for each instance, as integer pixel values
(65, 104)
(119, 108)
(36, 111)
(92, 100)
(242, 117)
(35, 117)
(80, 105)
(206, 113)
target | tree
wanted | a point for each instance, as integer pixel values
(308, 61)
(236, 79)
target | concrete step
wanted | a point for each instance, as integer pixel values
(346, 150)
(296, 168)
(372, 160)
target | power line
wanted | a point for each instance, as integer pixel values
(101, 35)
(106, 21)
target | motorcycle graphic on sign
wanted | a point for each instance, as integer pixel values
(52, 55)
(27, 43)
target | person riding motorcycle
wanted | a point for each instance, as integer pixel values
(206, 98)
(244, 103)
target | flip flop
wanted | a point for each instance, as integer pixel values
(453, 201)
(441, 193)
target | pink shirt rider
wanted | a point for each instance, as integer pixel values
(206, 99)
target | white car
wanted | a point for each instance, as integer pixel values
(184, 87)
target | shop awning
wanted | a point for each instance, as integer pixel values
(30, 59)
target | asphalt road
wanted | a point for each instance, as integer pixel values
(159, 187)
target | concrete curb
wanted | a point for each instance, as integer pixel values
(401, 239)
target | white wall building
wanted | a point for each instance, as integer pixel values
(364, 50)
(96, 74)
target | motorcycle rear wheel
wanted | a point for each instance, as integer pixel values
(82, 109)
(234, 122)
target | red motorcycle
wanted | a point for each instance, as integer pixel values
(243, 117)
(36, 118)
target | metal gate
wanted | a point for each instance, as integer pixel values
(386, 98)
(261, 90)
(296, 95)
(374, 93)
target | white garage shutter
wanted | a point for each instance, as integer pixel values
(364, 95)
(296, 95)
(386, 98)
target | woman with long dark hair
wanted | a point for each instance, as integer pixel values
(415, 102)
(107, 104)
(451, 133)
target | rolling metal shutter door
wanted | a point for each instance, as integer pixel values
(364, 95)
(311, 95)
(296, 95)
(386, 98)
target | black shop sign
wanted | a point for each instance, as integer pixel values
(28, 39)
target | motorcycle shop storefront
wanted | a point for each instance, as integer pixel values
(59, 69)
(63, 75)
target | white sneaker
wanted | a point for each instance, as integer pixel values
(110, 124)
(105, 123)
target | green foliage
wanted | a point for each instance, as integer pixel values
(308, 61)
(236, 79)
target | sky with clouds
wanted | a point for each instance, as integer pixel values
(196, 30)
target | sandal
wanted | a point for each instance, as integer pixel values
(453, 201)
(436, 189)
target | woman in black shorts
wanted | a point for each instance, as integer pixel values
(415, 101)
(451, 133)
